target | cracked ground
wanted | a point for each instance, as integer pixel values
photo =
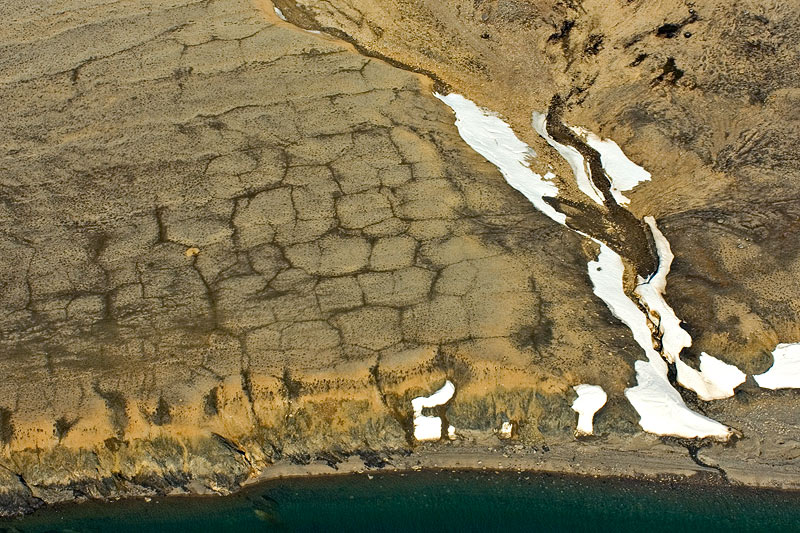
(221, 232)
(227, 240)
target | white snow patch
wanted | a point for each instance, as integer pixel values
(430, 427)
(491, 137)
(715, 380)
(606, 276)
(280, 13)
(662, 410)
(506, 430)
(451, 432)
(579, 167)
(590, 399)
(785, 370)
(623, 173)
(660, 406)
(440, 397)
(427, 428)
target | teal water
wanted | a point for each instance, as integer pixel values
(441, 501)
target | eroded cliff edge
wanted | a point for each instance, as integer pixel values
(228, 241)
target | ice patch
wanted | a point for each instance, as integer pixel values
(623, 173)
(430, 427)
(785, 370)
(490, 136)
(590, 399)
(715, 380)
(579, 167)
(280, 13)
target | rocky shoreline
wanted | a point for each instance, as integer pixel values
(235, 248)
(641, 457)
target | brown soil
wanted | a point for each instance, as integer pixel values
(230, 242)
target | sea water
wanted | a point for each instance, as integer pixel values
(441, 501)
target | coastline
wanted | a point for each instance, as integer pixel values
(637, 458)
(657, 462)
(192, 368)
(466, 497)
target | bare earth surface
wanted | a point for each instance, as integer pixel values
(229, 243)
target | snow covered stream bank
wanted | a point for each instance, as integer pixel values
(716, 379)
(491, 137)
(660, 406)
(623, 174)
(572, 156)
(651, 320)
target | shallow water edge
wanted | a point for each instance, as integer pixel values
(661, 467)
(441, 499)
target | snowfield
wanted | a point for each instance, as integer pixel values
(491, 137)
(660, 407)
